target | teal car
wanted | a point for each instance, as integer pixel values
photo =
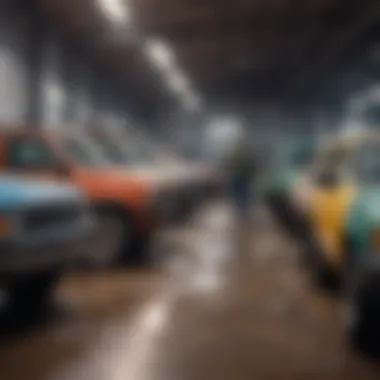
(343, 241)
(43, 229)
(287, 166)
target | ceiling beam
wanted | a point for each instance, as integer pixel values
(338, 45)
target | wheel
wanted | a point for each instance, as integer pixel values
(276, 205)
(138, 250)
(32, 293)
(118, 241)
(326, 279)
(362, 319)
(323, 276)
(113, 235)
(286, 216)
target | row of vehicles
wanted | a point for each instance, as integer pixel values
(70, 196)
(328, 196)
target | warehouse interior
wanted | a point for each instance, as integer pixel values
(154, 93)
(177, 63)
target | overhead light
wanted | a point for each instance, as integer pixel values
(54, 92)
(115, 10)
(191, 101)
(177, 82)
(159, 54)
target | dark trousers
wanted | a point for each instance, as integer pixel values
(240, 189)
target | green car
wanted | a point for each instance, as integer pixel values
(289, 163)
(343, 212)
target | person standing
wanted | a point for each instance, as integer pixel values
(241, 168)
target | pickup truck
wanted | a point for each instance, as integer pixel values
(43, 229)
(135, 158)
(127, 203)
(190, 182)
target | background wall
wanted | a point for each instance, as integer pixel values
(14, 64)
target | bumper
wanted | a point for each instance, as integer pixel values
(56, 249)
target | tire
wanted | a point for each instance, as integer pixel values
(279, 211)
(132, 245)
(111, 239)
(323, 277)
(326, 279)
(33, 293)
(137, 252)
(286, 216)
(362, 326)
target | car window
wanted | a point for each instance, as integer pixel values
(367, 163)
(29, 153)
(83, 152)
(331, 166)
(113, 151)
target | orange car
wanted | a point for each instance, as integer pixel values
(195, 181)
(127, 203)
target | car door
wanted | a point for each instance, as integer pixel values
(333, 190)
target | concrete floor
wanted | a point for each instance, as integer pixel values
(221, 303)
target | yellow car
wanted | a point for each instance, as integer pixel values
(340, 197)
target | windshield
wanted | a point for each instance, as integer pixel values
(83, 152)
(144, 152)
(114, 153)
(124, 151)
(299, 156)
(367, 163)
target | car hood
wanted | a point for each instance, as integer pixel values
(158, 174)
(21, 192)
(366, 206)
(149, 173)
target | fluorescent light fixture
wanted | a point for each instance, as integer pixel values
(176, 81)
(54, 92)
(115, 10)
(191, 101)
(159, 54)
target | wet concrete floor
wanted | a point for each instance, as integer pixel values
(221, 303)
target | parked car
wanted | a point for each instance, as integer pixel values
(343, 240)
(281, 180)
(134, 153)
(44, 227)
(126, 202)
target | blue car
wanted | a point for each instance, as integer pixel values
(43, 229)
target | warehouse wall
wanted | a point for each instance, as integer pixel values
(14, 64)
(46, 80)
(76, 77)
(54, 93)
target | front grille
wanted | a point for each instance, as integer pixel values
(50, 216)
